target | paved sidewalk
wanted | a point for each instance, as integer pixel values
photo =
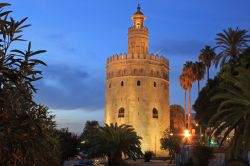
(132, 163)
(151, 163)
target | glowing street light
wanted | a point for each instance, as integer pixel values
(187, 134)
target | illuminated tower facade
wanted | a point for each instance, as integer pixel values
(137, 88)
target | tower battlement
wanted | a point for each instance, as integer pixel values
(122, 57)
(145, 29)
(148, 65)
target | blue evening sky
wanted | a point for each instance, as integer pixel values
(80, 34)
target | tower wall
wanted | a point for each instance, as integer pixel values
(139, 101)
(138, 40)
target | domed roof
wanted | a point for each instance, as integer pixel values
(138, 12)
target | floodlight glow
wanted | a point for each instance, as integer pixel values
(186, 133)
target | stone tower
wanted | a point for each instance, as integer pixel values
(137, 88)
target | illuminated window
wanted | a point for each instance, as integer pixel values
(154, 84)
(138, 83)
(121, 112)
(122, 83)
(138, 25)
(155, 113)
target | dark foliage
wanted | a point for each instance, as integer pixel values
(148, 156)
(201, 155)
(27, 135)
(171, 141)
(89, 132)
(68, 143)
(203, 106)
(114, 141)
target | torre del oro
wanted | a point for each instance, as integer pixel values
(137, 88)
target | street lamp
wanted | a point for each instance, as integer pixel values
(187, 134)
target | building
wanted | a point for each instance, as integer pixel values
(137, 88)
(177, 118)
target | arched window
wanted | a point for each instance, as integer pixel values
(154, 84)
(109, 85)
(122, 83)
(155, 113)
(121, 113)
(138, 83)
(138, 25)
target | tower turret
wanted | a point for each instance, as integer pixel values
(138, 34)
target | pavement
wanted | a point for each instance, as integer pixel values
(151, 163)
(131, 162)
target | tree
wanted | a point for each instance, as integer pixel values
(204, 107)
(188, 74)
(199, 72)
(68, 143)
(27, 135)
(223, 103)
(232, 43)
(207, 56)
(171, 141)
(184, 84)
(27, 132)
(89, 132)
(233, 113)
(113, 141)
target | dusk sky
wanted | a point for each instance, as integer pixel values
(80, 34)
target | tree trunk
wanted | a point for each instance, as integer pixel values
(185, 108)
(208, 73)
(199, 88)
(189, 111)
(15, 162)
(115, 160)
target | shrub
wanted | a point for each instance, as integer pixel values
(201, 155)
(148, 156)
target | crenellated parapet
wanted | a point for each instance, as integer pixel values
(143, 29)
(121, 57)
(148, 65)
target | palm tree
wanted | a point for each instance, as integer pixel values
(234, 111)
(199, 72)
(113, 141)
(183, 84)
(232, 42)
(188, 74)
(207, 56)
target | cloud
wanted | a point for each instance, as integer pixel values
(56, 36)
(60, 40)
(71, 87)
(67, 49)
(181, 47)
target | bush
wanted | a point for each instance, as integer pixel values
(201, 155)
(148, 156)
